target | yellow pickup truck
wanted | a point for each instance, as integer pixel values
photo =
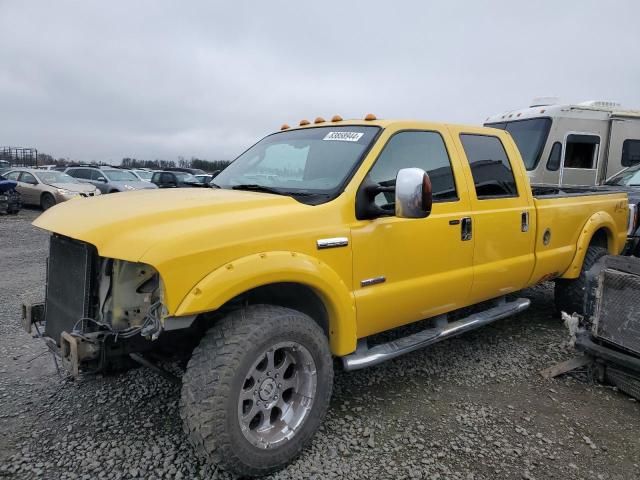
(309, 244)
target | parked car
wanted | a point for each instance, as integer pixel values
(47, 188)
(10, 202)
(144, 175)
(204, 178)
(109, 180)
(193, 171)
(628, 180)
(175, 179)
(573, 144)
(317, 239)
(4, 166)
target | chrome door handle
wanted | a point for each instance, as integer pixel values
(466, 229)
(524, 222)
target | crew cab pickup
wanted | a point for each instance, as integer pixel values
(309, 244)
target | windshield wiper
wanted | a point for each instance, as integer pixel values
(254, 187)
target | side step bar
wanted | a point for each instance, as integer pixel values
(367, 357)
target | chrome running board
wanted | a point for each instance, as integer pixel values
(367, 357)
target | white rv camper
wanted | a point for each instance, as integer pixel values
(581, 144)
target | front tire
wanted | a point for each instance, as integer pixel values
(570, 294)
(257, 388)
(47, 201)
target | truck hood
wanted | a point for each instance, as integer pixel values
(126, 225)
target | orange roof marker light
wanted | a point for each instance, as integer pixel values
(336, 118)
(304, 122)
(319, 120)
(284, 127)
(369, 117)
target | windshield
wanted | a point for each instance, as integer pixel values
(144, 175)
(120, 175)
(185, 177)
(529, 135)
(308, 161)
(629, 177)
(52, 176)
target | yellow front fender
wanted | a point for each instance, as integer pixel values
(599, 220)
(261, 269)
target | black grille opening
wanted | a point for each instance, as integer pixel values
(71, 272)
(618, 312)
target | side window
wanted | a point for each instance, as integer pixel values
(490, 167)
(425, 150)
(12, 176)
(79, 173)
(155, 178)
(167, 178)
(555, 156)
(26, 177)
(582, 151)
(95, 174)
(630, 153)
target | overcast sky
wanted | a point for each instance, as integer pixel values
(154, 79)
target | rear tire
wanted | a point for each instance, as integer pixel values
(245, 395)
(570, 294)
(47, 201)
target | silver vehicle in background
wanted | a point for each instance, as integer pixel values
(109, 179)
(144, 175)
(573, 144)
(47, 188)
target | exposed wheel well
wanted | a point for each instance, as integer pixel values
(291, 295)
(600, 238)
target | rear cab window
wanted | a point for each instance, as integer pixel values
(490, 166)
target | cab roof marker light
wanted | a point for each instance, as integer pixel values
(284, 127)
(336, 118)
(304, 122)
(319, 120)
(369, 117)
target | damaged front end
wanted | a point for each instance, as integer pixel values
(97, 310)
(611, 336)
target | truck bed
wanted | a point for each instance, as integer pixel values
(559, 210)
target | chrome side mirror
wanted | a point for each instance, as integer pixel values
(413, 193)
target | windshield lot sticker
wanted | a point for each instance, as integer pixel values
(343, 136)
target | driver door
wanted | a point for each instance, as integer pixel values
(409, 269)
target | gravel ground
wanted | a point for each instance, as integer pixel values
(470, 408)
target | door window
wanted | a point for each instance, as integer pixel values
(555, 156)
(490, 167)
(167, 178)
(630, 153)
(425, 150)
(82, 173)
(26, 177)
(581, 151)
(95, 174)
(12, 176)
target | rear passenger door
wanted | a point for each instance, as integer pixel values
(503, 218)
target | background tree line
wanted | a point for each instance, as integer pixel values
(128, 162)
